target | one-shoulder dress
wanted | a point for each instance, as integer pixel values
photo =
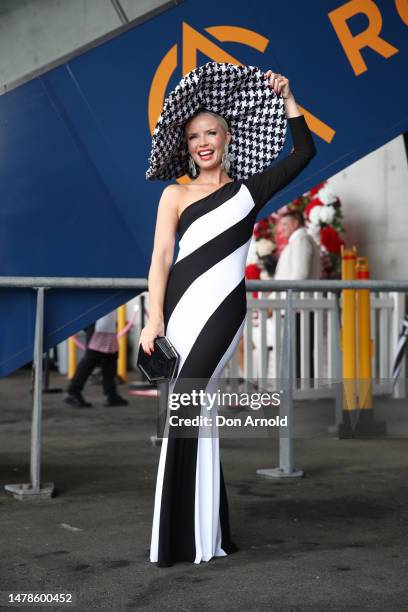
(204, 315)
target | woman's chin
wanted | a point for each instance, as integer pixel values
(211, 165)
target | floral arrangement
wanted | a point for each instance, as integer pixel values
(323, 221)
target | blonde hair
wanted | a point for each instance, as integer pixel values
(219, 118)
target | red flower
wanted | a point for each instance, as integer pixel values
(312, 204)
(262, 229)
(253, 272)
(317, 187)
(330, 239)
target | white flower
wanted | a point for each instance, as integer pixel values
(314, 231)
(327, 214)
(264, 247)
(314, 215)
(326, 196)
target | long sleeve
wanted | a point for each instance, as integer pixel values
(264, 185)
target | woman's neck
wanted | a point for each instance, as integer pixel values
(214, 177)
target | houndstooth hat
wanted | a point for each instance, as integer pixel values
(255, 115)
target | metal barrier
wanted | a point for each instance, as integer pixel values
(41, 284)
(387, 312)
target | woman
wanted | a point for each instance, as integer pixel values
(199, 303)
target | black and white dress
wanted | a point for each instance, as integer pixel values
(204, 316)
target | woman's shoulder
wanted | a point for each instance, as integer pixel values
(175, 190)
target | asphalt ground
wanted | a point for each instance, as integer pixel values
(335, 539)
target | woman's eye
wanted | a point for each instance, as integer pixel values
(212, 132)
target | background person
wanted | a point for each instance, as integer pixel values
(102, 348)
(299, 260)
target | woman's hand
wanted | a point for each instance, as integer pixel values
(149, 333)
(278, 83)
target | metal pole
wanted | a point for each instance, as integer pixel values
(338, 367)
(46, 378)
(37, 407)
(143, 383)
(286, 468)
(286, 406)
(58, 282)
(34, 489)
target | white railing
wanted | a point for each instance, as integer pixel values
(265, 332)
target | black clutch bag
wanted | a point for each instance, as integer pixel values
(162, 364)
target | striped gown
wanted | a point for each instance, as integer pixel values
(204, 316)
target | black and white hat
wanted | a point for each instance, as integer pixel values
(254, 112)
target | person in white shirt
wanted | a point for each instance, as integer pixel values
(299, 260)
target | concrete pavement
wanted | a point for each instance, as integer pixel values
(333, 540)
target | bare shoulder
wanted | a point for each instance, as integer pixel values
(172, 191)
(169, 198)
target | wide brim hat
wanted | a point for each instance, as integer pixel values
(254, 112)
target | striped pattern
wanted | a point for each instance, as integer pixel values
(204, 312)
(204, 315)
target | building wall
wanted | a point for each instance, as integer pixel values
(373, 190)
(374, 196)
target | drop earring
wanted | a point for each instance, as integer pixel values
(192, 167)
(226, 159)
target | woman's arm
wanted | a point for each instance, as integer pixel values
(291, 108)
(265, 184)
(161, 261)
(280, 85)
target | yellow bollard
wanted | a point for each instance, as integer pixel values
(348, 332)
(357, 423)
(122, 357)
(365, 400)
(72, 358)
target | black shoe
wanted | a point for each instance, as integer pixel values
(76, 399)
(115, 400)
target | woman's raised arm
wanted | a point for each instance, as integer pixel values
(161, 261)
(265, 184)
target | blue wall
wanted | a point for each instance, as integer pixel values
(74, 145)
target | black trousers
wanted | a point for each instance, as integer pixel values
(86, 366)
(298, 347)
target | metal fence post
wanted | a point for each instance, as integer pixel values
(337, 372)
(34, 489)
(286, 468)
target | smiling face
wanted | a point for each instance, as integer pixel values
(287, 226)
(206, 139)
